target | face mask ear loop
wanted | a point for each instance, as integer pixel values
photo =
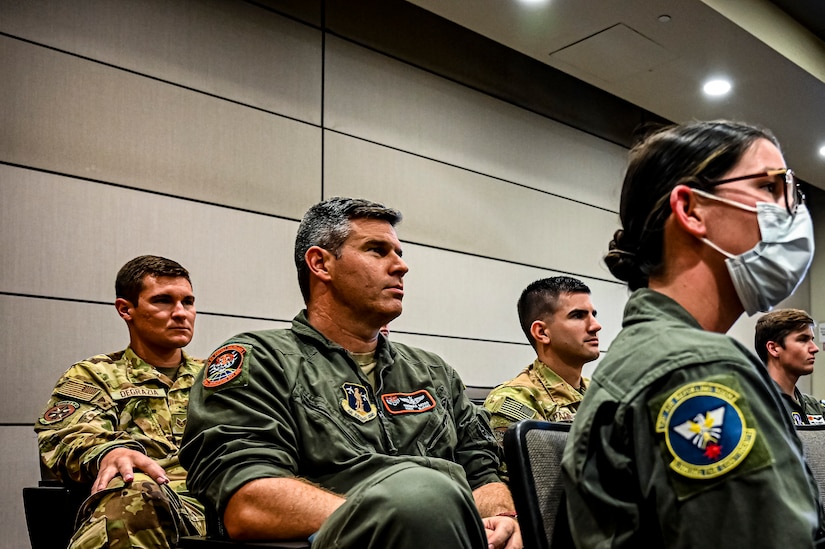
(718, 249)
(733, 203)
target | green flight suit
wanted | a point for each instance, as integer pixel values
(805, 409)
(290, 403)
(119, 400)
(682, 441)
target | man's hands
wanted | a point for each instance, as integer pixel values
(123, 462)
(502, 533)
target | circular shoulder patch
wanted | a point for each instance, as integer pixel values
(705, 431)
(224, 365)
(60, 411)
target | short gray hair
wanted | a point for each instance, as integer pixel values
(327, 225)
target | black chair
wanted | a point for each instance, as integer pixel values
(51, 508)
(477, 393)
(533, 451)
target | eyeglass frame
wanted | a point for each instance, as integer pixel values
(790, 182)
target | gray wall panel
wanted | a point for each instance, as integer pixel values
(465, 296)
(374, 97)
(230, 49)
(76, 117)
(462, 210)
(67, 237)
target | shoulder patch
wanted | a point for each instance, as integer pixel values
(706, 432)
(224, 365)
(511, 409)
(78, 390)
(408, 403)
(60, 411)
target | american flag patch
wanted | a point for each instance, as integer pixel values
(515, 409)
(79, 390)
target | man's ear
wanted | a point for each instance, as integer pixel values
(319, 261)
(124, 308)
(538, 331)
(773, 348)
(687, 213)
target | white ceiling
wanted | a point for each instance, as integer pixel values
(776, 65)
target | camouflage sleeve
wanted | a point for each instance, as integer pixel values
(78, 426)
(508, 405)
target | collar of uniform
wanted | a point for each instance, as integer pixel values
(384, 352)
(140, 370)
(555, 385)
(646, 304)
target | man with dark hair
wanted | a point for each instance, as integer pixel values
(115, 421)
(330, 431)
(784, 340)
(560, 323)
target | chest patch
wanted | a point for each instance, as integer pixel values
(816, 419)
(224, 365)
(356, 403)
(135, 392)
(60, 411)
(705, 431)
(408, 403)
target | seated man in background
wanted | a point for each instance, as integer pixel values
(560, 323)
(328, 429)
(785, 342)
(115, 421)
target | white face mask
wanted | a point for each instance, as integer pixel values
(772, 270)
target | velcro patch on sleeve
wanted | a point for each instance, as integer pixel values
(511, 409)
(225, 365)
(78, 390)
(408, 403)
(708, 433)
(60, 411)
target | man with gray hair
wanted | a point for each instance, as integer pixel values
(328, 430)
(560, 323)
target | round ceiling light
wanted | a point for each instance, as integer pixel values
(716, 87)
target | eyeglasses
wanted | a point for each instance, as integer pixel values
(790, 189)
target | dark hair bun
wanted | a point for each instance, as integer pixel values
(623, 263)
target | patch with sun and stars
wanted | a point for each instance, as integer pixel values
(709, 432)
(225, 365)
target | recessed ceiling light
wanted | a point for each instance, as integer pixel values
(822, 150)
(664, 18)
(717, 87)
(533, 2)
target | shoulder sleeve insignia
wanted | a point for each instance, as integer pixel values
(60, 411)
(512, 409)
(408, 403)
(705, 431)
(356, 402)
(78, 390)
(224, 365)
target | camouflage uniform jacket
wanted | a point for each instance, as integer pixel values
(115, 400)
(536, 393)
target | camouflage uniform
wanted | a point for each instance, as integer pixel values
(536, 393)
(112, 401)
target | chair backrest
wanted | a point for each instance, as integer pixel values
(813, 443)
(533, 451)
(477, 393)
